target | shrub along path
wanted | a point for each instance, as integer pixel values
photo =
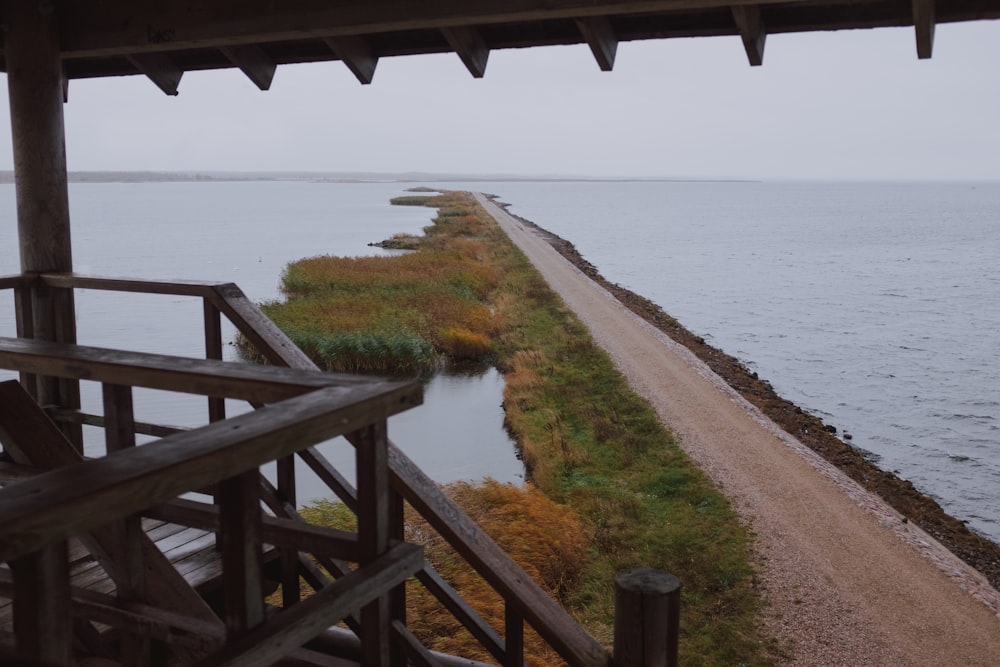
(849, 582)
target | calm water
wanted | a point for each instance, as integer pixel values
(872, 305)
(876, 306)
(246, 233)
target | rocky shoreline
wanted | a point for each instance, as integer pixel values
(975, 550)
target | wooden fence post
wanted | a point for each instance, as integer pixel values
(647, 615)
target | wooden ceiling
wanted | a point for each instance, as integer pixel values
(164, 38)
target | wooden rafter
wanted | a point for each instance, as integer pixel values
(923, 22)
(752, 30)
(252, 60)
(470, 47)
(600, 36)
(357, 54)
(160, 69)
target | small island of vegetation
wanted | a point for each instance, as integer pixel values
(608, 487)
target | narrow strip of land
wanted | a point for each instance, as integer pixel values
(848, 582)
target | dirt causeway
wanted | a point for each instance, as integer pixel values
(849, 580)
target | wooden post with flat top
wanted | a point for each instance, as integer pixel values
(647, 615)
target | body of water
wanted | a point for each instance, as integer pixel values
(872, 305)
(875, 306)
(246, 233)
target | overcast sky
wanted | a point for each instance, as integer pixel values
(845, 105)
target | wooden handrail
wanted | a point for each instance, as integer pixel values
(63, 502)
(142, 286)
(198, 376)
(10, 282)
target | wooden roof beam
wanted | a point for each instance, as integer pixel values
(470, 46)
(252, 60)
(752, 30)
(160, 69)
(923, 22)
(357, 54)
(601, 38)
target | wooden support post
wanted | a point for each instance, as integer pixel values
(42, 616)
(25, 329)
(513, 637)
(127, 534)
(647, 615)
(35, 87)
(290, 592)
(397, 599)
(213, 350)
(372, 446)
(240, 526)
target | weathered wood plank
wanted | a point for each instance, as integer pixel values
(119, 284)
(125, 545)
(240, 530)
(143, 619)
(10, 282)
(213, 350)
(372, 473)
(42, 621)
(330, 476)
(465, 614)
(416, 653)
(195, 376)
(59, 416)
(277, 531)
(65, 501)
(117, 27)
(30, 437)
(259, 329)
(293, 627)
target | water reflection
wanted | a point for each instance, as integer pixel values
(457, 434)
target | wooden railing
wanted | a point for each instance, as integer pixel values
(101, 501)
(525, 601)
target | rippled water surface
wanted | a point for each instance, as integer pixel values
(876, 306)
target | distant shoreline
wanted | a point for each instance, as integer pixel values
(7, 176)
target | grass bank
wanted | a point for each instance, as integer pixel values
(600, 463)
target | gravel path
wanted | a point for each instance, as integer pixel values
(847, 581)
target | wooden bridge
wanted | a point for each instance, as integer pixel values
(163, 554)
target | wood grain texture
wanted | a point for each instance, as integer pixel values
(59, 503)
(171, 373)
(293, 627)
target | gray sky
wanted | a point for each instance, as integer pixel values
(845, 105)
